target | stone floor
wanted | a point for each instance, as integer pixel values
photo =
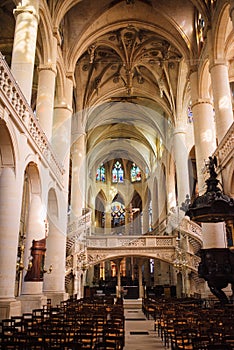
(139, 332)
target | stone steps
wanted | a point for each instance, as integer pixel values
(132, 303)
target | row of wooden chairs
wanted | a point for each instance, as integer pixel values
(75, 324)
(187, 324)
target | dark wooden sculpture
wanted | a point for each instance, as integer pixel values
(217, 268)
(217, 264)
(35, 273)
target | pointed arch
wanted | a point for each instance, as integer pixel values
(100, 208)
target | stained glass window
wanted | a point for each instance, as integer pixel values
(101, 174)
(118, 214)
(190, 114)
(117, 173)
(135, 173)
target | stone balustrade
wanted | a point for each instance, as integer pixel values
(106, 241)
(225, 149)
(21, 113)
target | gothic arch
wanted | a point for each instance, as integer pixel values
(7, 154)
(192, 168)
(53, 209)
(100, 208)
(32, 172)
(205, 81)
(46, 36)
(223, 28)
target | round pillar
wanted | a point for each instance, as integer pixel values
(10, 205)
(78, 176)
(180, 157)
(45, 98)
(222, 99)
(24, 46)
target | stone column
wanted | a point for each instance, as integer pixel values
(118, 287)
(24, 46)
(10, 205)
(54, 286)
(155, 211)
(157, 271)
(145, 206)
(78, 185)
(140, 279)
(127, 220)
(45, 97)
(181, 161)
(162, 196)
(108, 219)
(90, 275)
(205, 141)
(221, 92)
(187, 285)
(171, 181)
(222, 98)
(204, 130)
(147, 275)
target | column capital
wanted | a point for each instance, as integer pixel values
(57, 35)
(201, 101)
(26, 9)
(217, 62)
(48, 66)
(70, 75)
(63, 105)
(193, 67)
(179, 129)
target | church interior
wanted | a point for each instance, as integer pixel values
(116, 154)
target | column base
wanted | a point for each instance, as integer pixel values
(31, 302)
(9, 307)
(56, 297)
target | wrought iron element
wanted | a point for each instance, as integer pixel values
(213, 205)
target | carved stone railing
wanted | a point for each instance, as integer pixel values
(191, 228)
(130, 241)
(158, 247)
(193, 232)
(225, 149)
(13, 99)
(78, 230)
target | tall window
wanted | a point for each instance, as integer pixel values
(190, 114)
(117, 173)
(118, 214)
(101, 173)
(135, 173)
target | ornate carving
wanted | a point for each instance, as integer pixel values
(217, 268)
(25, 115)
(214, 205)
(35, 273)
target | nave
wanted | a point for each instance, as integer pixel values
(139, 330)
(107, 323)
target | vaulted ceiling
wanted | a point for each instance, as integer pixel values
(130, 61)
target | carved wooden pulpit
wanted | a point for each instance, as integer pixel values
(35, 273)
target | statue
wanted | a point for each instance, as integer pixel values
(212, 165)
